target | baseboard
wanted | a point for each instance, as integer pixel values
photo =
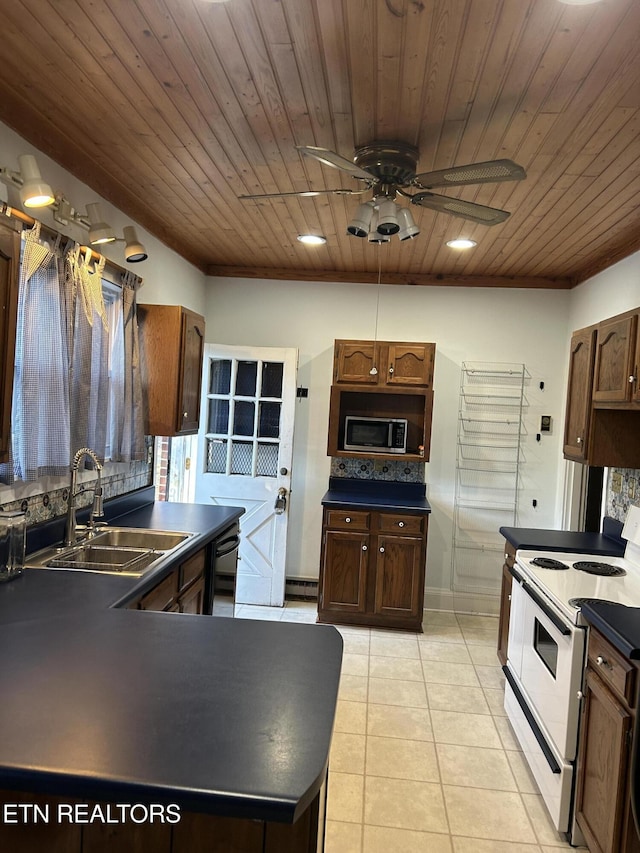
(302, 589)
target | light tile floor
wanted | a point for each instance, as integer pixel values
(423, 759)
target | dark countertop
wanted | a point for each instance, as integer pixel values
(223, 716)
(376, 495)
(619, 624)
(534, 539)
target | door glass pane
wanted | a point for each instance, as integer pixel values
(216, 456)
(243, 417)
(272, 379)
(267, 461)
(269, 420)
(219, 376)
(246, 378)
(218, 416)
(241, 457)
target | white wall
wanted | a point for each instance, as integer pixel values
(611, 292)
(167, 278)
(475, 324)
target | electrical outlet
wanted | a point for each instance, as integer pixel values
(616, 483)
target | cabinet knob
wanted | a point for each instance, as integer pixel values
(578, 440)
(347, 520)
(391, 369)
(185, 415)
(364, 548)
(632, 379)
(382, 550)
(600, 661)
(509, 596)
(580, 694)
(401, 524)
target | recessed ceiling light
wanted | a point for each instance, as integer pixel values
(461, 243)
(312, 239)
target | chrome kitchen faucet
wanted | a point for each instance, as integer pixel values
(70, 534)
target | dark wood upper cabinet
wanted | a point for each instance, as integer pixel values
(383, 363)
(576, 428)
(172, 341)
(614, 377)
(9, 274)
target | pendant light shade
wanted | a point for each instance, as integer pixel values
(34, 191)
(134, 251)
(99, 232)
(408, 228)
(361, 222)
(388, 218)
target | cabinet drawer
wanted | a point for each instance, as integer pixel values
(191, 569)
(392, 523)
(161, 595)
(341, 519)
(612, 667)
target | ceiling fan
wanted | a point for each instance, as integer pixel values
(388, 169)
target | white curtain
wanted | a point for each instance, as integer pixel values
(127, 416)
(40, 408)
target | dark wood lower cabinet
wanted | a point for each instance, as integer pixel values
(505, 601)
(194, 833)
(372, 568)
(603, 797)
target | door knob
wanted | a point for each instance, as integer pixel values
(281, 501)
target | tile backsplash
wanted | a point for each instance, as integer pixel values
(623, 489)
(47, 499)
(391, 470)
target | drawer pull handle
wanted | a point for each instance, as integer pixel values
(401, 524)
(600, 661)
(348, 520)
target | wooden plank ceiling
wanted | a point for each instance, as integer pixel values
(171, 109)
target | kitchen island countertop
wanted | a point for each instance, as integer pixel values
(222, 716)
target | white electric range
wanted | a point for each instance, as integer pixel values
(546, 656)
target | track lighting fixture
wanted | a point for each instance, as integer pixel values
(34, 192)
(134, 251)
(99, 231)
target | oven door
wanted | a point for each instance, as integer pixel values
(550, 667)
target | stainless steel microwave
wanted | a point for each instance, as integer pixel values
(375, 435)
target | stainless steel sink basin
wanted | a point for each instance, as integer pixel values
(129, 551)
(135, 537)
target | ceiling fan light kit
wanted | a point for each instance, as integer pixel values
(388, 169)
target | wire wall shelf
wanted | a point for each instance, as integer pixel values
(489, 461)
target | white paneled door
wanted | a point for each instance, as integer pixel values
(245, 448)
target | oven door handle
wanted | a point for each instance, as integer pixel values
(548, 612)
(535, 728)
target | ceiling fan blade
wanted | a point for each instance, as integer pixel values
(490, 172)
(305, 194)
(330, 158)
(459, 207)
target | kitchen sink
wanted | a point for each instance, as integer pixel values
(131, 551)
(135, 537)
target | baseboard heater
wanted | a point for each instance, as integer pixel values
(295, 588)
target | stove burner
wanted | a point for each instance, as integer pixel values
(578, 602)
(548, 563)
(599, 568)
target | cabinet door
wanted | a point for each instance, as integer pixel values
(635, 385)
(505, 603)
(399, 576)
(9, 266)
(190, 372)
(615, 354)
(408, 364)
(354, 361)
(602, 767)
(576, 424)
(162, 595)
(192, 601)
(343, 582)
